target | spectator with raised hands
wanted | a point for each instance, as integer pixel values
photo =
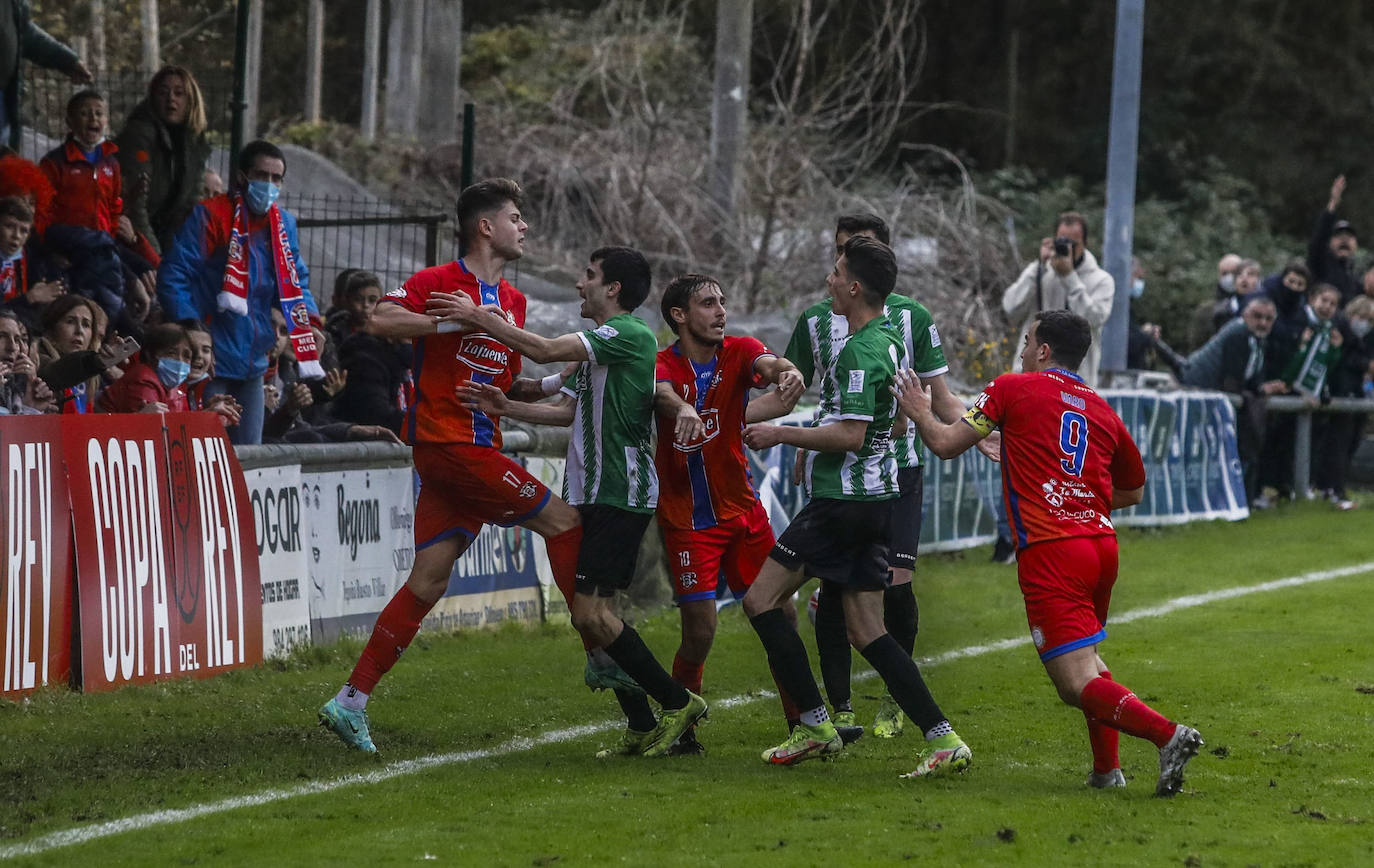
(1334, 245)
(162, 154)
(22, 392)
(153, 383)
(1336, 436)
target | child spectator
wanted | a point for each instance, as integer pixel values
(21, 290)
(353, 306)
(88, 218)
(376, 370)
(22, 178)
(202, 361)
(72, 357)
(153, 383)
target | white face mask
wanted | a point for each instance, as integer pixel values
(1227, 282)
(1360, 327)
(1137, 287)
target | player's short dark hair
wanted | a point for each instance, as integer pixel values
(628, 267)
(873, 265)
(82, 96)
(679, 294)
(360, 280)
(16, 208)
(1073, 218)
(1067, 334)
(853, 224)
(482, 198)
(260, 148)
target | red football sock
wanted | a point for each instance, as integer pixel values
(688, 672)
(396, 626)
(562, 551)
(1119, 708)
(1104, 740)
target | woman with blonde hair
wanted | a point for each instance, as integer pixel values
(163, 150)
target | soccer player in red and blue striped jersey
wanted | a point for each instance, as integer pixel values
(1067, 462)
(714, 526)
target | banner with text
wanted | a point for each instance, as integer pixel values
(36, 596)
(279, 523)
(167, 575)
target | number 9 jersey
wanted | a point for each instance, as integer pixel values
(1063, 452)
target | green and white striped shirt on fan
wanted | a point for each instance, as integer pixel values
(610, 461)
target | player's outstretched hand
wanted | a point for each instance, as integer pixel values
(482, 397)
(912, 396)
(448, 307)
(762, 436)
(790, 386)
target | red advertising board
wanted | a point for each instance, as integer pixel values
(166, 565)
(36, 593)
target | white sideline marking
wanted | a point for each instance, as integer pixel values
(138, 822)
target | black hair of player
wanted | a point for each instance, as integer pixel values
(1067, 334)
(679, 294)
(873, 265)
(481, 199)
(82, 96)
(16, 208)
(853, 224)
(629, 268)
(259, 148)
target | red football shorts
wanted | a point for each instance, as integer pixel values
(734, 550)
(463, 487)
(1067, 584)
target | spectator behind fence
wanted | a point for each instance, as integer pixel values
(1234, 361)
(376, 369)
(73, 358)
(109, 260)
(1247, 282)
(24, 179)
(1331, 252)
(21, 39)
(202, 362)
(163, 150)
(153, 383)
(1304, 371)
(22, 392)
(234, 287)
(1336, 436)
(1064, 276)
(23, 288)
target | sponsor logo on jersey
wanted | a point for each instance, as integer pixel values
(398, 292)
(710, 418)
(856, 381)
(934, 336)
(484, 353)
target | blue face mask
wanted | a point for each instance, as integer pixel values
(172, 372)
(1137, 287)
(261, 195)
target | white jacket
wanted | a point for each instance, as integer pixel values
(1087, 291)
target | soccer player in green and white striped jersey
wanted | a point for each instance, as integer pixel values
(610, 477)
(814, 348)
(842, 533)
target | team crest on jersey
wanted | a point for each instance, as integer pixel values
(856, 381)
(607, 331)
(484, 353)
(688, 580)
(710, 418)
(528, 490)
(398, 292)
(1037, 637)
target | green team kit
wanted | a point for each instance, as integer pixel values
(816, 347)
(610, 461)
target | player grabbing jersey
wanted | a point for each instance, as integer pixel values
(715, 529)
(610, 474)
(465, 481)
(1067, 462)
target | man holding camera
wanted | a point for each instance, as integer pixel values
(1065, 276)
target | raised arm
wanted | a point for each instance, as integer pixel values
(391, 320)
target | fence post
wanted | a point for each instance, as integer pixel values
(1302, 455)
(431, 243)
(238, 106)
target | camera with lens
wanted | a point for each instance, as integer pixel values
(1063, 246)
